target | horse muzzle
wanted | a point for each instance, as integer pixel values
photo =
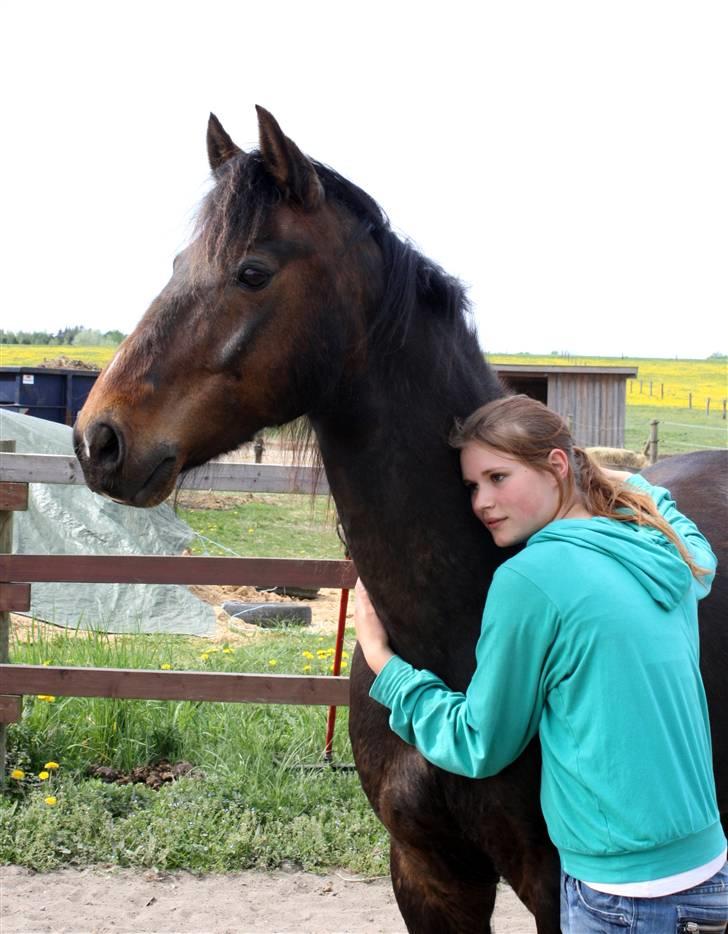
(125, 472)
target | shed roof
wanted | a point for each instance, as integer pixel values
(531, 369)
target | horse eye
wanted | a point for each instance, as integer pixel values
(253, 277)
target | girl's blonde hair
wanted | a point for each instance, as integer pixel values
(526, 430)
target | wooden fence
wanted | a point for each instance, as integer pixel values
(19, 572)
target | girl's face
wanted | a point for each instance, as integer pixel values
(511, 499)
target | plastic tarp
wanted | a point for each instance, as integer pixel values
(70, 519)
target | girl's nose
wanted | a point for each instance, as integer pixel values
(481, 502)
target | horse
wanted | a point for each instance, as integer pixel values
(296, 299)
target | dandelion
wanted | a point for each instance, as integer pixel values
(344, 665)
(307, 654)
(165, 666)
(250, 531)
(344, 654)
(44, 776)
(227, 650)
(306, 668)
(18, 775)
(47, 662)
(204, 656)
(272, 662)
(48, 698)
(51, 801)
(51, 766)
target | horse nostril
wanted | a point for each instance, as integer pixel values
(104, 445)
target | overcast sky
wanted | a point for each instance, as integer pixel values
(567, 160)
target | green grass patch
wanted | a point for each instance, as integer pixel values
(269, 525)
(247, 804)
(679, 429)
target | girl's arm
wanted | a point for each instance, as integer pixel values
(481, 731)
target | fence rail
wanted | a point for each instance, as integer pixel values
(216, 475)
(19, 572)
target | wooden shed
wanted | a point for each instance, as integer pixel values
(593, 399)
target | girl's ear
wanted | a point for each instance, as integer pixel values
(560, 461)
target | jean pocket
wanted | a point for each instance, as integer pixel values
(702, 920)
(612, 909)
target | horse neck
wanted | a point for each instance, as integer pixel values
(396, 482)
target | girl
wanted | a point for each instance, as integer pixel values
(590, 638)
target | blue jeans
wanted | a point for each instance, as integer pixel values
(703, 908)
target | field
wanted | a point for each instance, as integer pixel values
(35, 354)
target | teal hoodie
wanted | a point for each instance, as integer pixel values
(590, 639)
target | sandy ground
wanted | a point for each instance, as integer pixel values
(124, 901)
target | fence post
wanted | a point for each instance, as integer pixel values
(653, 441)
(725, 401)
(707, 406)
(6, 546)
(690, 400)
(662, 390)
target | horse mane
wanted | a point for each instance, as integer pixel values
(234, 210)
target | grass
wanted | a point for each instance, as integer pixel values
(273, 524)
(245, 805)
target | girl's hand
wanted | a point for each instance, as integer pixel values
(370, 633)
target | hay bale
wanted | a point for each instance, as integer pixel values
(619, 458)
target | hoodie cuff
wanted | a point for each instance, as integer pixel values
(390, 681)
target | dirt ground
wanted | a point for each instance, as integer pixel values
(112, 901)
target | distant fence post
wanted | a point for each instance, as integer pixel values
(653, 441)
(707, 406)
(725, 401)
(690, 400)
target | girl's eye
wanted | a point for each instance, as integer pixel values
(497, 477)
(253, 277)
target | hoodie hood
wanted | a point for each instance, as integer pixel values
(642, 550)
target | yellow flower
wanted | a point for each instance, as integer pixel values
(251, 530)
(165, 666)
(48, 698)
(51, 801)
(47, 662)
(273, 662)
(204, 656)
(306, 667)
(344, 665)
(51, 766)
(307, 654)
(43, 776)
(227, 650)
(17, 774)
(344, 654)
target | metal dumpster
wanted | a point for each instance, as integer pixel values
(54, 394)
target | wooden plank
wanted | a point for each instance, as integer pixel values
(14, 496)
(14, 598)
(262, 478)
(11, 708)
(174, 685)
(173, 569)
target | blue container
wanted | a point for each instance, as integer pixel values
(56, 395)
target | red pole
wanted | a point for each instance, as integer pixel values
(331, 719)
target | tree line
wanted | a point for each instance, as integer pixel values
(70, 336)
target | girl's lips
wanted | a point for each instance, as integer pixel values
(492, 523)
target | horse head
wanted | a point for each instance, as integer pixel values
(262, 316)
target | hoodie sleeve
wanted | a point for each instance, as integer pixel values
(479, 733)
(693, 539)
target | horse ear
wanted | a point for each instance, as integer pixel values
(292, 172)
(220, 147)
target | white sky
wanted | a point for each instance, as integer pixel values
(567, 160)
